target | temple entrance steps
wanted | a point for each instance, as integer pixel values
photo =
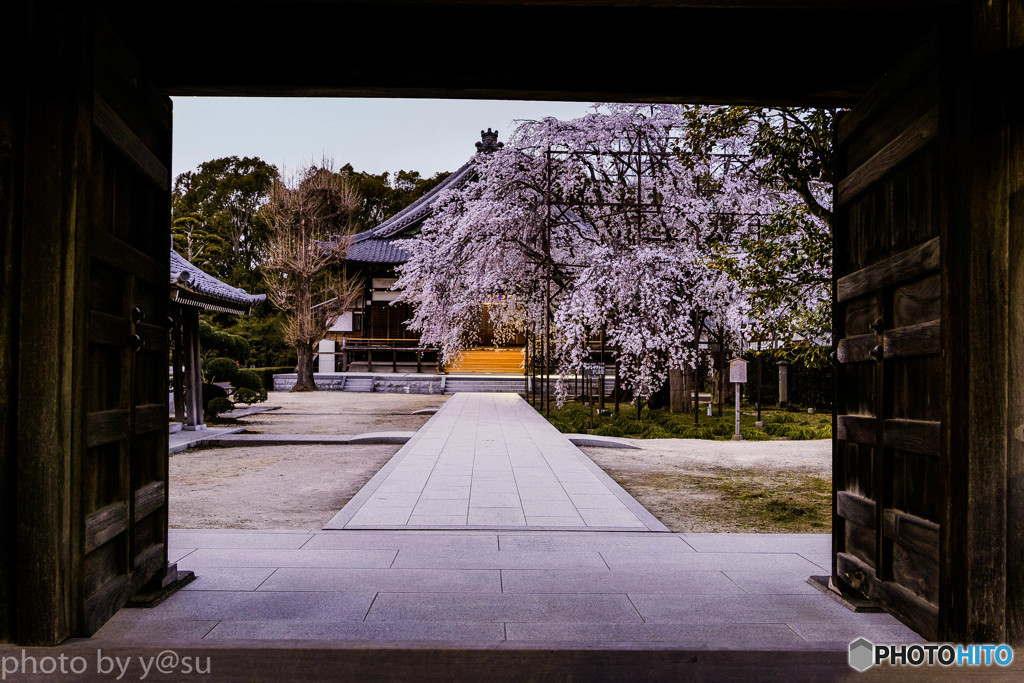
(364, 384)
(426, 383)
(489, 360)
(486, 384)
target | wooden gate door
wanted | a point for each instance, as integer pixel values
(887, 469)
(122, 476)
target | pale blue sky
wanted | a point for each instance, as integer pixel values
(374, 135)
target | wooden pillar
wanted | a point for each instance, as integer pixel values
(983, 232)
(9, 311)
(193, 371)
(46, 118)
(178, 360)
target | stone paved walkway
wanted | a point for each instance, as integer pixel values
(732, 591)
(183, 440)
(486, 460)
(490, 461)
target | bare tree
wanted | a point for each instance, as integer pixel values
(310, 229)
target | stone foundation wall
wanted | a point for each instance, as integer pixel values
(384, 385)
(323, 382)
(407, 386)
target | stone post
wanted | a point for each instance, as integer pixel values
(783, 382)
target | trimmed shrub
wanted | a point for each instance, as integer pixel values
(753, 434)
(247, 379)
(248, 396)
(218, 343)
(210, 392)
(219, 406)
(221, 370)
(240, 349)
(206, 333)
(609, 430)
(222, 342)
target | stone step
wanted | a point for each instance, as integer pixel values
(359, 384)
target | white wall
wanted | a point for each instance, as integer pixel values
(326, 348)
(343, 323)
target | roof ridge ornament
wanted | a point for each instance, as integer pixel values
(489, 142)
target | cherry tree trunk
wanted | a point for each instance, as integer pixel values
(680, 388)
(721, 391)
(304, 369)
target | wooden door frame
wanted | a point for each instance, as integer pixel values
(45, 136)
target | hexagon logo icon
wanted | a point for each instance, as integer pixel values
(862, 654)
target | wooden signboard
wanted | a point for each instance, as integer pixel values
(738, 371)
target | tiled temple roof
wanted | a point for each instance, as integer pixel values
(377, 245)
(191, 286)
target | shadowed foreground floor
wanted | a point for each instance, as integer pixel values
(732, 591)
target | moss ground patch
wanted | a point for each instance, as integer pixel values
(576, 418)
(743, 500)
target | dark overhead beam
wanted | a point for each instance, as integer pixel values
(754, 52)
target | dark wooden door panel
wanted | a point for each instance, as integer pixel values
(888, 329)
(123, 487)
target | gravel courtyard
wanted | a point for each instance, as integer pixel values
(690, 485)
(290, 487)
(701, 486)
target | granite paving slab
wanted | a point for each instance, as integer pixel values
(183, 440)
(448, 631)
(596, 589)
(605, 607)
(257, 439)
(490, 461)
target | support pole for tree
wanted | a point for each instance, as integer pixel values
(617, 387)
(759, 381)
(601, 389)
(547, 280)
(697, 324)
(736, 436)
(721, 368)
(526, 365)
